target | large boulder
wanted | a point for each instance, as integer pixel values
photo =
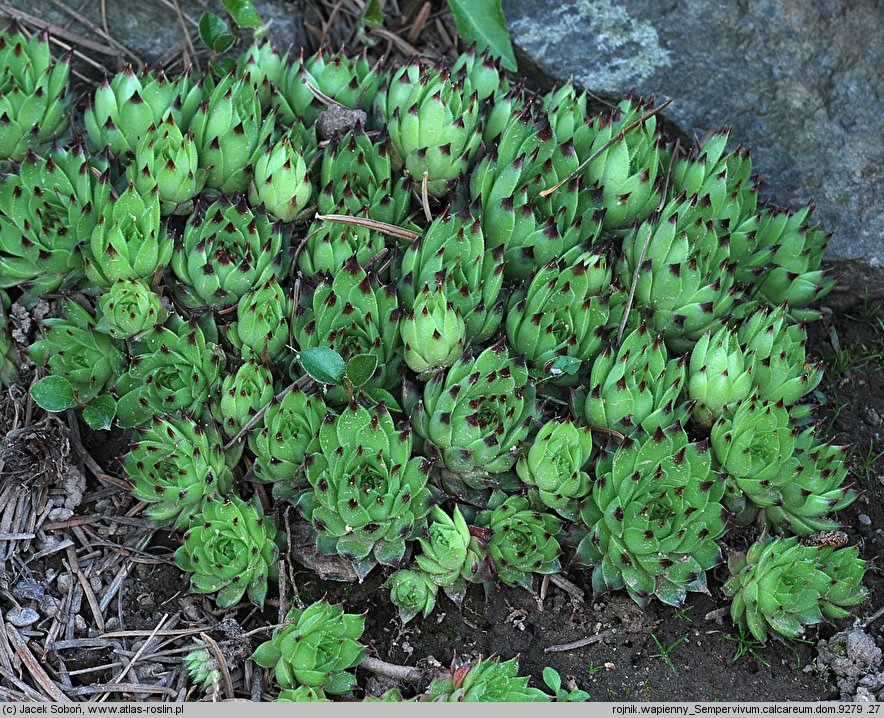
(800, 83)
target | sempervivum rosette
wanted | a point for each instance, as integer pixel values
(653, 518)
(475, 415)
(432, 333)
(230, 550)
(487, 681)
(719, 376)
(369, 494)
(412, 592)
(226, 251)
(129, 308)
(782, 586)
(261, 328)
(176, 464)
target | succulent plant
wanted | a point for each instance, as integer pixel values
(288, 434)
(126, 105)
(225, 252)
(719, 377)
(329, 245)
(176, 464)
(167, 158)
(316, 647)
(634, 384)
(432, 333)
(434, 126)
(452, 252)
(476, 414)
(522, 541)
(685, 278)
(800, 488)
(412, 592)
(786, 264)
(74, 349)
(561, 312)
(533, 230)
(369, 494)
(566, 110)
(34, 101)
(262, 66)
(8, 354)
(351, 82)
(229, 548)
(129, 308)
(780, 585)
(302, 694)
(48, 212)
(353, 315)
(280, 180)
(227, 129)
(554, 467)
(262, 322)
(653, 518)
(480, 72)
(175, 369)
(488, 680)
(625, 174)
(448, 553)
(241, 395)
(129, 240)
(357, 177)
(775, 351)
(203, 668)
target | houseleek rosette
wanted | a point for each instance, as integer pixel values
(554, 467)
(129, 308)
(350, 82)
(126, 105)
(34, 100)
(73, 348)
(262, 322)
(357, 177)
(782, 586)
(175, 369)
(369, 494)
(167, 158)
(625, 173)
(432, 333)
(522, 541)
(241, 395)
(480, 72)
(448, 553)
(315, 647)
(653, 518)
(329, 245)
(452, 252)
(230, 550)
(47, 212)
(280, 181)
(562, 312)
(412, 592)
(685, 278)
(634, 384)
(434, 126)
(228, 129)
(225, 252)
(476, 414)
(776, 350)
(129, 240)
(289, 432)
(353, 315)
(488, 680)
(262, 65)
(719, 377)
(176, 464)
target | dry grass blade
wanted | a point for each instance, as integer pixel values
(73, 37)
(33, 665)
(588, 641)
(391, 229)
(222, 663)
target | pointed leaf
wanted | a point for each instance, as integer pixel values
(323, 364)
(361, 368)
(482, 22)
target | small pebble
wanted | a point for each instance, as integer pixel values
(95, 583)
(865, 520)
(28, 589)
(112, 624)
(79, 624)
(20, 618)
(49, 605)
(64, 583)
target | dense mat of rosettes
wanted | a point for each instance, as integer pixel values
(611, 374)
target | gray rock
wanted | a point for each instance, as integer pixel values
(151, 29)
(852, 657)
(800, 83)
(21, 618)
